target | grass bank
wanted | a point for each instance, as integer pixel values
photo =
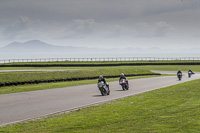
(195, 68)
(171, 109)
(147, 67)
(43, 86)
(6, 77)
(86, 72)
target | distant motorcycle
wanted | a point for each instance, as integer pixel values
(124, 84)
(103, 88)
(189, 74)
(179, 76)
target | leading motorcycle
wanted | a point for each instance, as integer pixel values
(103, 88)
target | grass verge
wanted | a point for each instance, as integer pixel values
(171, 109)
(147, 67)
(7, 77)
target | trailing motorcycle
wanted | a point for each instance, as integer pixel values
(103, 88)
(189, 74)
(124, 84)
(179, 76)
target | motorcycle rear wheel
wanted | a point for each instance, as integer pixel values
(127, 87)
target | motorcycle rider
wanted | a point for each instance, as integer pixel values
(190, 71)
(122, 76)
(101, 78)
(179, 71)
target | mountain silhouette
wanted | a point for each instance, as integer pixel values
(37, 46)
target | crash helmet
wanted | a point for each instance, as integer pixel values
(122, 74)
(100, 77)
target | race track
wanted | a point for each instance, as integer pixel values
(22, 106)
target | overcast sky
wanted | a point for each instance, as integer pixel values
(102, 23)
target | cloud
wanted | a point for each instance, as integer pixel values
(18, 28)
(62, 10)
(83, 26)
(196, 35)
(116, 30)
(78, 28)
(143, 29)
(25, 28)
(108, 20)
(161, 29)
(15, 27)
(169, 6)
(157, 29)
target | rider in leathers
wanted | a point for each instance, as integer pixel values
(101, 78)
(123, 77)
(190, 71)
(179, 71)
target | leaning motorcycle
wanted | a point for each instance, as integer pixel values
(179, 76)
(189, 74)
(103, 88)
(124, 84)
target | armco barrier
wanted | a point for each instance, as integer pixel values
(66, 79)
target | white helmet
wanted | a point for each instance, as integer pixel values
(100, 77)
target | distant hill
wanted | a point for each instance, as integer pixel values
(37, 46)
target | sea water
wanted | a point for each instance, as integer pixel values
(98, 55)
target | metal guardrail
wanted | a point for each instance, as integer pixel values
(101, 59)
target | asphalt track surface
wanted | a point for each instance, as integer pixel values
(18, 107)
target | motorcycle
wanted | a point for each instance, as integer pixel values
(103, 88)
(124, 84)
(179, 76)
(189, 74)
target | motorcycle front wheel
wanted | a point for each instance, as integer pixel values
(123, 87)
(103, 92)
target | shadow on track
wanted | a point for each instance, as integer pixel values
(97, 95)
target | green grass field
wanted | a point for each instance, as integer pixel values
(43, 86)
(86, 72)
(171, 109)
